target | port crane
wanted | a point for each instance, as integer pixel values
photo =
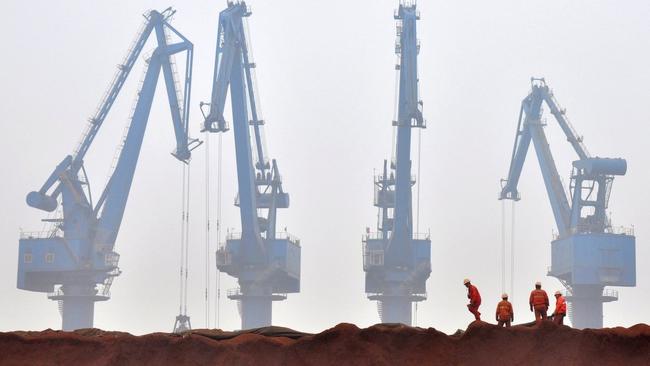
(587, 253)
(265, 262)
(75, 262)
(396, 260)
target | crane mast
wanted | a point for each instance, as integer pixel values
(396, 260)
(265, 262)
(588, 253)
(75, 262)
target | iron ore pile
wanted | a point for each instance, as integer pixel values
(386, 344)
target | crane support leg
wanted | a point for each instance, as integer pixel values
(396, 309)
(77, 305)
(587, 306)
(78, 312)
(256, 311)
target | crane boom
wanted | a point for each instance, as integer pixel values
(77, 256)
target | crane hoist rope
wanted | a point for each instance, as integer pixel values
(512, 253)
(503, 246)
(187, 236)
(504, 250)
(206, 254)
(219, 225)
(417, 199)
(208, 227)
(181, 255)
(182, 322)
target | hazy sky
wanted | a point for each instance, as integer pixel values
(326, 80)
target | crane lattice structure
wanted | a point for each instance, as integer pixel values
(588, 253)
(75, 262)
(265, 262)
(396, 260)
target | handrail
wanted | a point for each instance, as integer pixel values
(236, 292)
(41, 234)
(378, 235)
(283, 235)
(585, 229)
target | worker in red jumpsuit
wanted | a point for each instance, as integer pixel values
(474, 299)
(539, 302)
(560, 308)
(505, 314)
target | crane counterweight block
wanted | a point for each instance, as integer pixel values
(41, 201)
(602, 166)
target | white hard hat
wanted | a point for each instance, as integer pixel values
(538, 283)
(504, 295)
(558, 293)
(466, 281)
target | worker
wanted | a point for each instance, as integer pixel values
(539, 302)
(560, 308)
(474, 299)
(505, 314)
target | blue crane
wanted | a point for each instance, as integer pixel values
(396, 260)
(75, 262)
(588, 253)
(266, 263)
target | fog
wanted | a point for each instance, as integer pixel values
(325, 72)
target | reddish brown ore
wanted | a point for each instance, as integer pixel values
(345, 344)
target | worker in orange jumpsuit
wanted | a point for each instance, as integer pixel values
(505, 314)
(474, 299)
(560, 308)
(539, 302)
